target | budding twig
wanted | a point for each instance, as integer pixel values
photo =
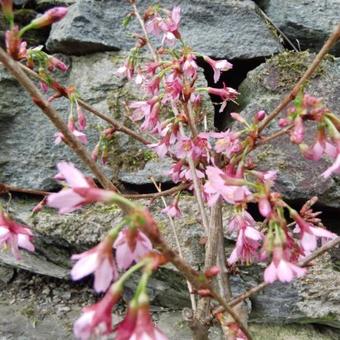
(119, 127)
(326, 247)
(334, 37)
(4, 188)
(52, 114)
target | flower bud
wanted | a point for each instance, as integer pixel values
(204, 292)
(260, 116)
(265, 207)
(48, 18)
(283, 122)
(211, 272)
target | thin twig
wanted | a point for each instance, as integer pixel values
(326, 247)
(266, 139)
(334, 37)
(119, 127)
(146, 35)
(266, 17)
(178, 245)
(4, 188)
(52, 114)
(158, 194)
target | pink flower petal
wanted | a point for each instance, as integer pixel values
(284, 272)
(253, 234)
(85, 266)
(270, 274)
(103, 276)
(24, 242)
(73, 176)
(65, 200)
(124, 256)
(82, 328)
(308, 242)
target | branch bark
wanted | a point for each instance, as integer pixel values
(119, 127)
(52, 114)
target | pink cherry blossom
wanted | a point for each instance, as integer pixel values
(248, 240)
(99, 261)
(80, 193)
(170, 27)
(260, 115)
(225, 93)
(14, 235)
(96, 320)
(227, 142)
(219, 185)
(54, 63)
(59, 136)
(189, 65)
(49, 17)
(184, 147)
(152, 86)
(127, 70)
(131, 245)
(334, 168)
(138, 324)
(173, 210)
(173, 88)
(153, 25)
(142, 109)
(218, 66)
(281, 269)
(309, 234)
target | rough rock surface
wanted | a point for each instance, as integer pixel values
(298, 179)
(28, 155)
(227, 27)
(307, 23)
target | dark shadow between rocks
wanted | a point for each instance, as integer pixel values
(232, 78)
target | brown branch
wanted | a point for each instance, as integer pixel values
(52, 114)
(158, 194)
(119, 127)
(305, 262)
(191, 275)
(4, 188)
(334, 37)
(266, 139)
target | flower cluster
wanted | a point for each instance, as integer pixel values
(14, 235)
(327, 140)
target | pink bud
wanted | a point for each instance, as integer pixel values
(81, 118)
(260, 116)
(49, 17)
(265, 207)
(283, 122)
(212, 271)
(297, 135)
